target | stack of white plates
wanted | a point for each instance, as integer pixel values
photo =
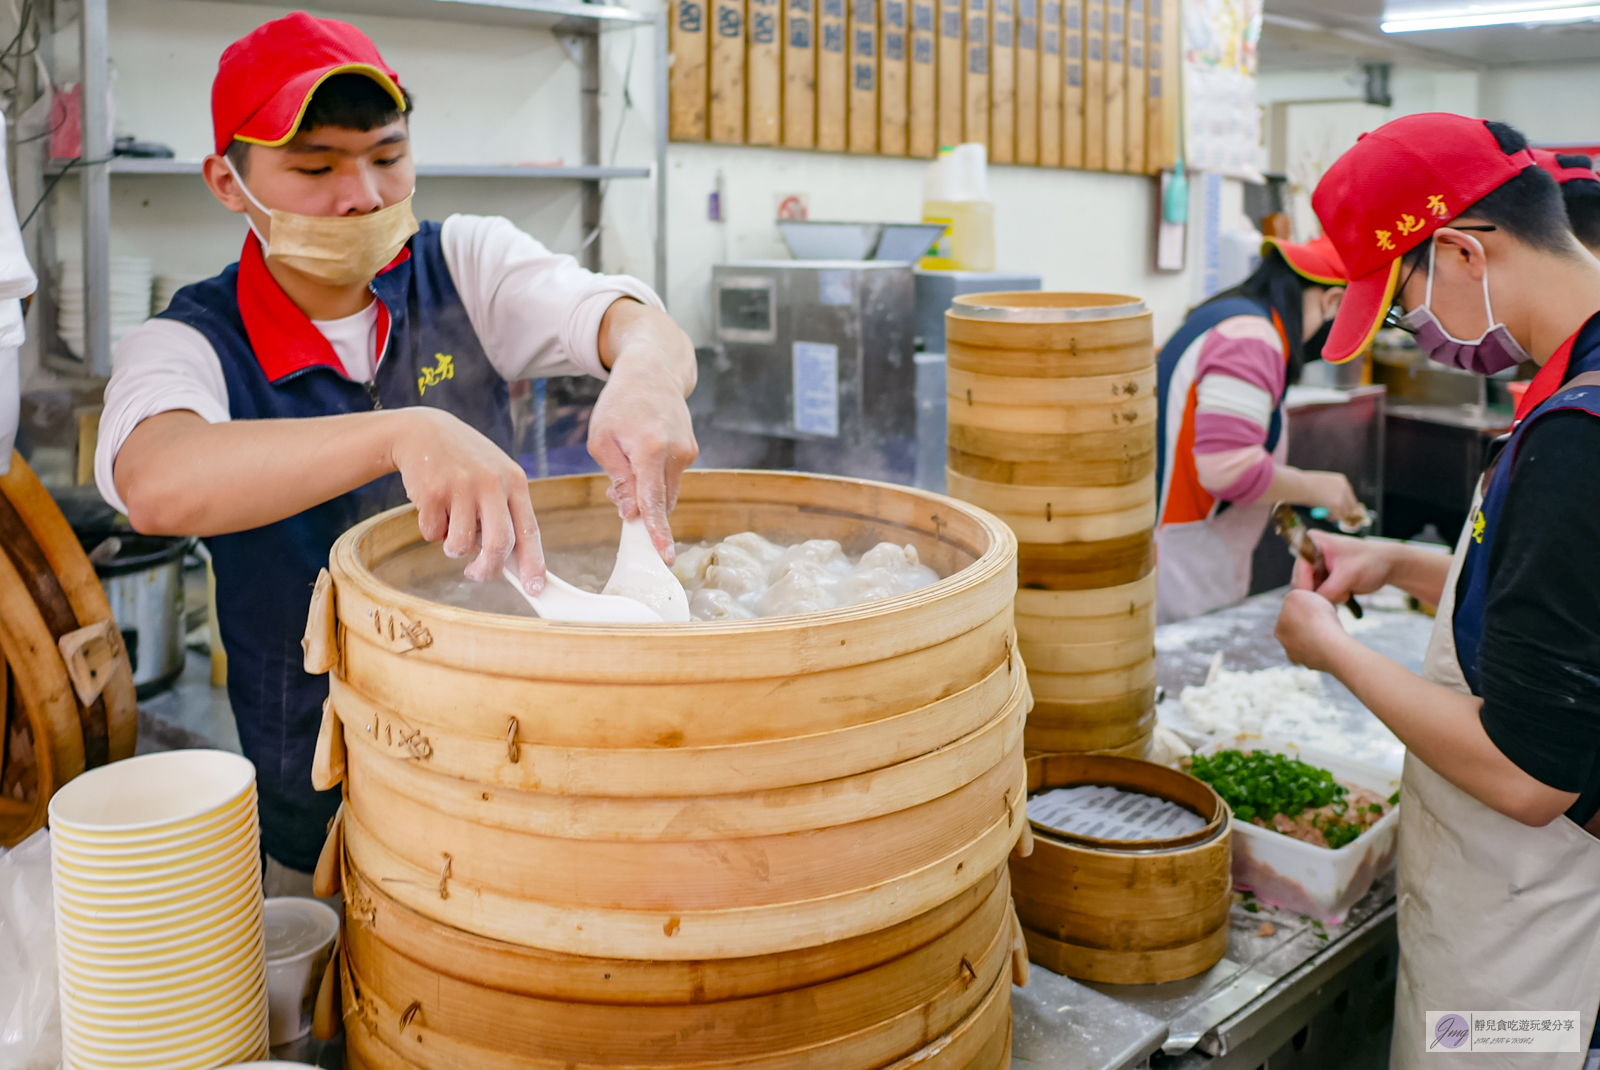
(130, 299)
(166, 286)
(156, 870)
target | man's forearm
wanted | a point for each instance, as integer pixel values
(632, 330)
(1442, 728)
(180, 475)
(1418, 572)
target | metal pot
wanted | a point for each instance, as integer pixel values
(143, 578)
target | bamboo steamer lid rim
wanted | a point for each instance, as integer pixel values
(1033, 306)
(1050, 771)
(350, 564)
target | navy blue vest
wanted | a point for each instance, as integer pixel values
(265, 575)
(1472, 586)
(1194, 325)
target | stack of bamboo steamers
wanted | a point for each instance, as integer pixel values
(1052, 427)
(765, 843)
(67, 699)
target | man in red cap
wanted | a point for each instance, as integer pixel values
(351, 359)
(1221, 446)
(1580, 192)
(1451, 230)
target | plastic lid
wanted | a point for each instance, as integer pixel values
(295, 927)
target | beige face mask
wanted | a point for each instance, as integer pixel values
(340, 250)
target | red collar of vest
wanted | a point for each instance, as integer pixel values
(284, 339)
(1549, 379)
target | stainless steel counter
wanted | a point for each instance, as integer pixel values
(1288, 985)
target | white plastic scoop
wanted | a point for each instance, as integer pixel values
(560, 600)
(641, 575)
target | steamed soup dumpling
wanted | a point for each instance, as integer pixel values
(710, 603)
(802, 586)
(736, 571)
(691, 563)
(900, 562)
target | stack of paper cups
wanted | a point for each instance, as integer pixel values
(156, 870)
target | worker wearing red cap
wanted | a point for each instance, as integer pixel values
(1580, 192)
(1451, 231)
(351, 359)
(1220, 441)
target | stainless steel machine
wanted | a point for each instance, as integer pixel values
(819, 352)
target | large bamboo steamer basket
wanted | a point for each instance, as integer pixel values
(512, 708)
(377, 1041)
(630, 983)
(1135, 912)
(49, 592)
(861, 1003)
(683, 878)
(589, 815)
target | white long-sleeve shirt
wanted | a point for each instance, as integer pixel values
(535, 312)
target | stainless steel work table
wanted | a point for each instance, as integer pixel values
(1325, 993)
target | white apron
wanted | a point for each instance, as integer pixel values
(1205, 564)
(1493, 915)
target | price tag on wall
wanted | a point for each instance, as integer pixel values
(816, 389)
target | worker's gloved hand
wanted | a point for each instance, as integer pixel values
(1333, 492)
(469, 494)
(1355, 566)
(640, 431)
(1309, 629)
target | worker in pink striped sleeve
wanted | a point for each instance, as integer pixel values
(1221, 436)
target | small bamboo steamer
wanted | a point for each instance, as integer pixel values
(1071, 418)
(1111, 724)
(1106, 391)
(1048, 335)
(1086, 566)
(1003, 498)
(1133, 912)
(1099, 458)
(1058, 515)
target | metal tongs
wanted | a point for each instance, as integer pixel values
(1289, 526)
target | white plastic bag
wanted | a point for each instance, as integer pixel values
(30, 1014)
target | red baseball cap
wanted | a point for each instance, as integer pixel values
(1549, 161)
(1315, 261)
(1388, 194)
(265, 79)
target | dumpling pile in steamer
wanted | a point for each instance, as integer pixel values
(746, 576)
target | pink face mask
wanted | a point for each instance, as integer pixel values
(1495, 350)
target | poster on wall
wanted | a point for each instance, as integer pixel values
(1222, 123)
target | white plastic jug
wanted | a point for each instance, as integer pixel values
(955, 192)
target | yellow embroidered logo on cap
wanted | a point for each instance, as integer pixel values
(1383, 239)
(1436, 205)
(444, 369)
(1478, 524)
(1408, 224)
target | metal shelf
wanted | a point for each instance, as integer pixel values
(576, 24)
(138, 165)
(572, 15)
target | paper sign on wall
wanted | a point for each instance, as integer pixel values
(816, 389)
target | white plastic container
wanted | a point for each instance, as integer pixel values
(1290, 873)
(955, 194)
(300, 937)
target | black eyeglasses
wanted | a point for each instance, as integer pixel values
(1392, 317)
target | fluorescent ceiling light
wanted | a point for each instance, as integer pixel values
(1492, 18)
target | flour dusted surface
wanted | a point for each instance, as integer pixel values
(1286, 703)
